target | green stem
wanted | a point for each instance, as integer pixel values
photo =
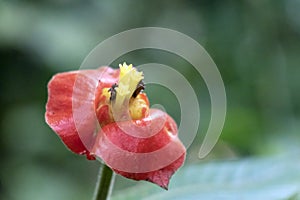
(104, 183)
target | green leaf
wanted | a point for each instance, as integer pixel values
(255, 178)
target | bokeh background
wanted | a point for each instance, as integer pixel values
(255, 45)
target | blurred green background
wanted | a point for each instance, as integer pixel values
(255, 45)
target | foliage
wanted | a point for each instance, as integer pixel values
(260, 178)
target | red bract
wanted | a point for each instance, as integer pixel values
(154, 153)
(59, 108)
(103, 113)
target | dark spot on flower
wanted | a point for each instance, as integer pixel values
(140, 86)
(113, 92)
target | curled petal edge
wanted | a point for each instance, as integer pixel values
(61, 98)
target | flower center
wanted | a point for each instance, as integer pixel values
(126, 100)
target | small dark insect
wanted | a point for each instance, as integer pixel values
(113, 92)
(140, 86)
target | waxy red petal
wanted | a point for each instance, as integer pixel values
(72, 90)
(125, 147)
(159, 177)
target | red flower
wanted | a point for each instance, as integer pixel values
(104, 113)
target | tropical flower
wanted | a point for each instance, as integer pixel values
(105, 114)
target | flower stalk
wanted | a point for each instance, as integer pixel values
(104, 184)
